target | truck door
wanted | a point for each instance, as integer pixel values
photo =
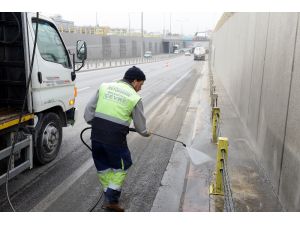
(54, 68)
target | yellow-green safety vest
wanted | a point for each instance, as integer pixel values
(116, 101)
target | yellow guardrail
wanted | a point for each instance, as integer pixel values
(221, 184)
(216, 188)
(215, 123)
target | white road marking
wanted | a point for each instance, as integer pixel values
(82, 89)
(62, 188)
(66, 184)
(155, 102)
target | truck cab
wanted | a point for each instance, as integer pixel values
(44, 72)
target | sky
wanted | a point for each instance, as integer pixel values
(84, 6)
(186, 23)
(115, 13)
(187, 16)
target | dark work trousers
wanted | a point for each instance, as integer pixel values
(111, 163)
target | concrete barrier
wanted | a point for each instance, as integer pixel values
(257, 58)
(112, 46)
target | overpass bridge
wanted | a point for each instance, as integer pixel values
(104, 47)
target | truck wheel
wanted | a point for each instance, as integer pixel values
(49, 136)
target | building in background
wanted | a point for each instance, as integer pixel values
(61, 23)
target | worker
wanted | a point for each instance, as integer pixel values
(110, 112)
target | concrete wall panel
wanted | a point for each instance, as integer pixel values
(254, 56)
(115, 47)
(93, 42)
(222, 56)
(238, 43)
(275, 91)
(247, 48)
(108, 47)
(261, 32)
(289, 192)
(232, 52)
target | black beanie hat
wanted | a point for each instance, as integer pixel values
(134, 73)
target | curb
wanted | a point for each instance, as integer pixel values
(168, 197)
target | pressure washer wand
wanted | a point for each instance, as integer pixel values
(195, 156)
(130, 129)
(134, 130)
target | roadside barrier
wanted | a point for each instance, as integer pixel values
(214, 100)
(216, 188)
(221, 184)
(215, 112)
(215, 124)
(94, 64)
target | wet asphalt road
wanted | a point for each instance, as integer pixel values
(69, 183)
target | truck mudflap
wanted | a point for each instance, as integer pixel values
(23, 148)
(72, 115)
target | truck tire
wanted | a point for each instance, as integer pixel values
(49, 137)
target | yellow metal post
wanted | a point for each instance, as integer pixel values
(214, 100)
(215, 118)
(216, 188)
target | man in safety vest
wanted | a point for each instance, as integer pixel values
(110, 113)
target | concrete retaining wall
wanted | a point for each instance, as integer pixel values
(113, 47)
(257, 57)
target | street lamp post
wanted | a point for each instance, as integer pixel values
(170, 34)
(129, 32)
(142, 36)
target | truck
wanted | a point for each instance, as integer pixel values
(175, 49)
(37, 71)
(199, 53)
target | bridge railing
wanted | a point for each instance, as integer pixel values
(95, 64)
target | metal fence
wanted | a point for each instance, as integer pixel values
(109, 63)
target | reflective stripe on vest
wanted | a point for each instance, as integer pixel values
(116, 102)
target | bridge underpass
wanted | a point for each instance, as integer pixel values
(184, 113)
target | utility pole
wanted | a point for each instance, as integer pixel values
(170, 34)
(164, 27)
(181, 30)
(181, 25)
(129, 23)
(142, 36)
(171, 24)
(96, 19)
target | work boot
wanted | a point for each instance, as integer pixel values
(112, 195)
(114, 207)
(111, 201)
